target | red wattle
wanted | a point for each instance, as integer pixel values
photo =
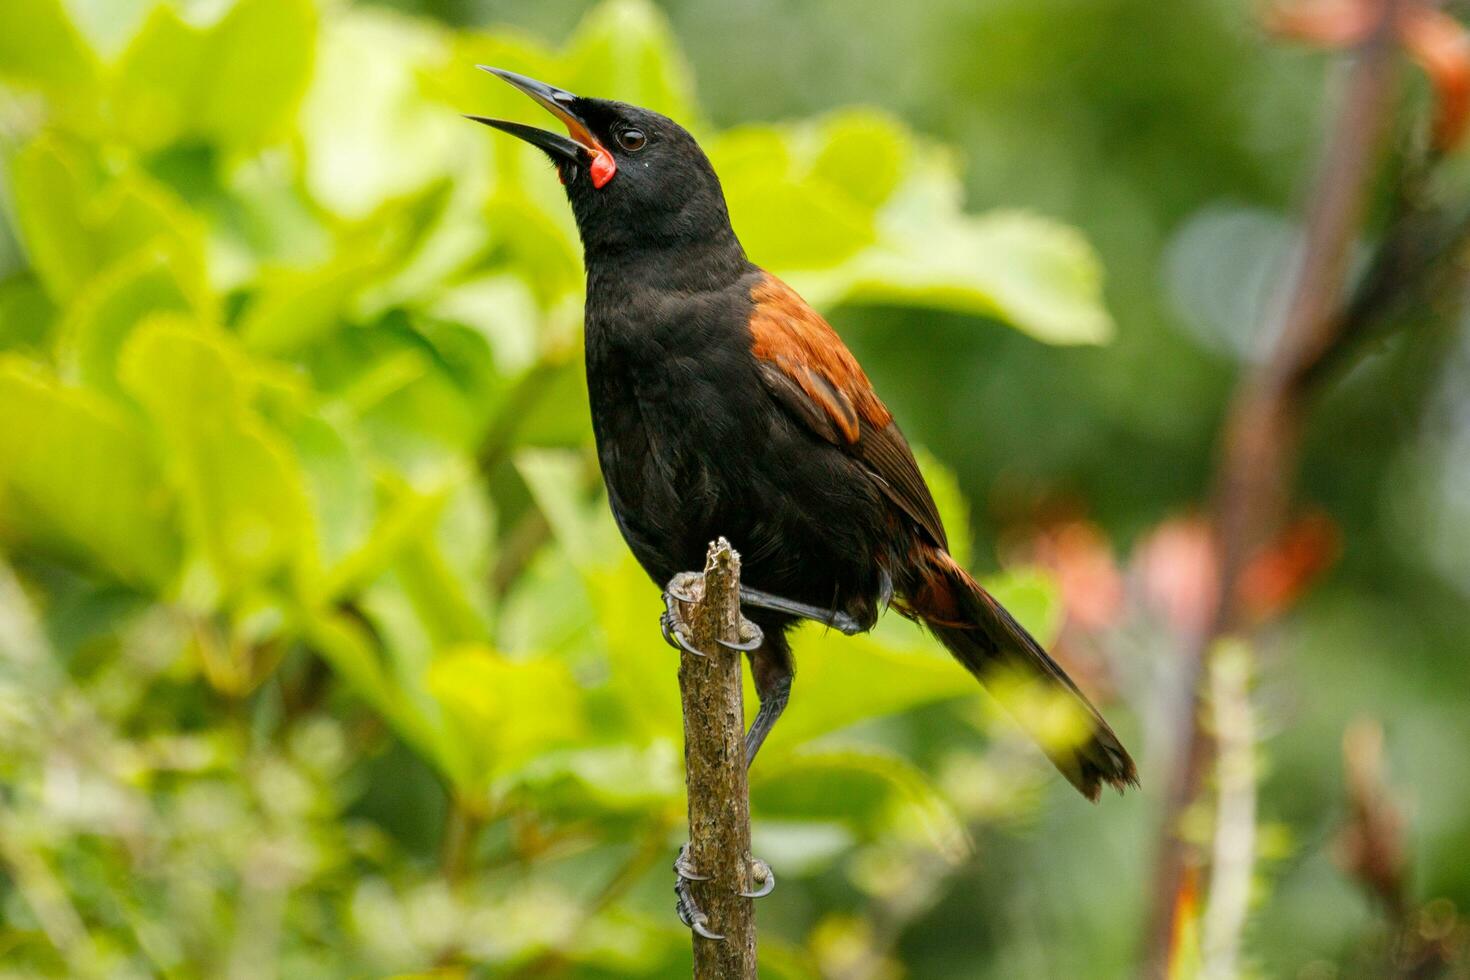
(602, 169)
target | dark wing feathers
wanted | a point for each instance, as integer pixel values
(812, 373)
(888, 455)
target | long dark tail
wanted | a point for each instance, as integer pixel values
(984, 637)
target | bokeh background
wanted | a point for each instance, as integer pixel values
(320, 657)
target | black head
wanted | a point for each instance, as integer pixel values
(635, 179)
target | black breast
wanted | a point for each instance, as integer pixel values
(692, 446)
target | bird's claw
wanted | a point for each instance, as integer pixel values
(751, 638)
(764, 878)
(689, 914)
(684, 903)
(684, 869)
(673, 627)
(674, 632)
(678, 586)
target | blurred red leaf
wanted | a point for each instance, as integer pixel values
(1279, 575)
(1179, 568)
(1079, 554)
(1438, 43)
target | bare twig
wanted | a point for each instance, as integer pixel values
(1262, 433)
(1424, 940)
(1233, 855)
(1371, 845)
(714, 760)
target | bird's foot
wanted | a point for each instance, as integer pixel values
(761, 875)
(684, 904)
(676, 631)
(751, 637)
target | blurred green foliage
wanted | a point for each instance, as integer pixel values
(319, 654)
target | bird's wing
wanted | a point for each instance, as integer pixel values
(811, 372)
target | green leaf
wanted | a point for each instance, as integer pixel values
(296, 307)
(76, 477)
(50, 181)
(539, 244)
(829, 782)
(259, 60)
(1035, 274)
(791, 225)
(235, 83)
(345, 644)
(506, 710)
(451, 83)
(245, 499)
(109, 24)
(786, 218)
(623, 49)
(894, 669)
(503, 310)
(41, 46)
(855, 209)
(104, 313)
(627, 47)
(26, 314)
(618, 778)
(863, 154)
(368, 131)
(408, 515)
(800, 846)
(954, 509)
(558, 481)
(641, 666)
(156, 83)
(76, 222)
(448, 604)
(338, 484)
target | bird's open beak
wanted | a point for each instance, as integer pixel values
(578, 144)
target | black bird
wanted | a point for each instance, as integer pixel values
(691, 346)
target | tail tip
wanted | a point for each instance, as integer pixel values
(1100, 762)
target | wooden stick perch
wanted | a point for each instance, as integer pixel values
(714, 760)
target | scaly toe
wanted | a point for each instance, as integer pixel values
(684, 904)
(751, 637)
(672, 625)
(763, 877)
(684, 869)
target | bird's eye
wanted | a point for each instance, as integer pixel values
(631, 139)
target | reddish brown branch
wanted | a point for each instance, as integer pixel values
(1260, 440)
